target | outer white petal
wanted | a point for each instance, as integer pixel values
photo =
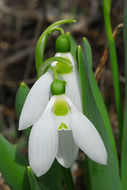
(73, 89)
(43, 143)
(36, 101)
(67, 149)
(87, 138)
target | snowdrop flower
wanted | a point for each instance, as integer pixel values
(59, 129)
(73, 90)
(70, 74)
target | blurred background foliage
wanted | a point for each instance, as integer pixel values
(21, 23)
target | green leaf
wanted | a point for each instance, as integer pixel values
(99, 176)
(13, 166)
(39, 51)
(97, 94)
(21, 95)
(73, 45)
(68, 180)
(114, 65)
(33, 181)
(124, 135)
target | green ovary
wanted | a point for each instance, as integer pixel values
(60, 107)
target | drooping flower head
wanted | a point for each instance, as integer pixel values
(53, 108)
(59, 129)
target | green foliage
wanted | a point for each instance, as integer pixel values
(114, 64)
(124, 136)
(100, 177)
(33, 181)
(68, 178)
(73, 46)
(21, 95)
(53, 178)
(13, 166)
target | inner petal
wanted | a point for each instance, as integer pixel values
(67, 149)
(63, 122)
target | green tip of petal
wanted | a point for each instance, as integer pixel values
(63, 126)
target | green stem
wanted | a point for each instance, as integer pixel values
(46, 64)
(40, 47)
(114, 64)
(54, 72)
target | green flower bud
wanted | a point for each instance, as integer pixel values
(63, 44)
(58, 87)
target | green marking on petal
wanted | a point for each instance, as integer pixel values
(63, 126)
(63, 68)
(60, 107)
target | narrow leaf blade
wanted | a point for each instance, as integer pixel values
(124, 134)
(100, 177)
(33, 181)
(21, 95)
(13, 166)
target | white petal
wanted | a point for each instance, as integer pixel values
(87, 138)
(67, 149)
(43, 144)
(73, 89)
(36, 101)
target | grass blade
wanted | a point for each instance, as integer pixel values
(114, 64)
(124, 137)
